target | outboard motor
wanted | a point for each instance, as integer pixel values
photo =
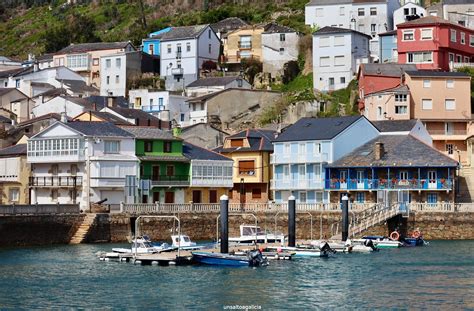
(324, 247)
(370, 243)
(256, 258)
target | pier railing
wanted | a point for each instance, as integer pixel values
(441, 207)
(39, 209)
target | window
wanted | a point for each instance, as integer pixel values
(247, 167)
(182, 117)
(338, 40)
(450, 104)
(234, 143)
(319, 12)
(458, 58)
(463, 38)
(282, 51)
(286, 149)
(240, 83)
(343, 80)
(406, 11)
(14, 195)
(256, 193)
(453, 35)
(95, 62)
(118, 62)
(373, 27)
(323, 41)
(148, 146)
(331, 82)
(302, 196)
(426, 104)
(400, 97)
(317, 172)
(324, 61)
(360, 12)
(188, 47)
(401, 109)
(117, 79)
(209, 34)
(111, 146)
(167, 147)
(210, 48)
(169, 48)
(77, 61)
(170, 170)
(420, 57)
(449, 148)
(360, 197)
(426, 83)
(426, 34)
(302, 148)
(408, 35)
(202, 106)
(341, 11)
(282, 37)
(379, 113)
(108, 79)
(108, 63)
(413, 11)
(17, 83)
(339, 60)
(373, 11)
(471, 40)
(362, 28)
(451, 57)
(432, 198)
(449, 83)
(54, 195)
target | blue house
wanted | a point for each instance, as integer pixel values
(388, 47)
(304, 149)
(151, 45)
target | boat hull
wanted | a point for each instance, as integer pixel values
(210, 259)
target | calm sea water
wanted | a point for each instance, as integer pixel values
(439, 276)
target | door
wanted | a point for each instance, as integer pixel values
(382, 197)
(301, 175)
(212, 196)
(169, 197)
(197, 196)
(403, 200)
(449, 128)
(432, 180)
(302, 196)
(156, 197)
(343, 179)
(360, 180)
(155, 175)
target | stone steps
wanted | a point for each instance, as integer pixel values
(83, 229)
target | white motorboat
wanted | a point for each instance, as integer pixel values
(321, 250)
(184, 242)
(339, 247)
(381, 241)
(358, 246)
(254, 234)
(143, 245)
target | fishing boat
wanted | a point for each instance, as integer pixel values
(255, 234)
(143, 245)
(306, 250)
(252, 258)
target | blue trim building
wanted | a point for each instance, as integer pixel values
(151, 45)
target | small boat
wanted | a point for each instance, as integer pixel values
(381, 241)
(365, 246)
(416, 239)
(306, 250)
(254, 234)
(337, 246)
(183, 242)
(252, 258)
(143, 245)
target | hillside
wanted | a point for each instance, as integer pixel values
(43, 26)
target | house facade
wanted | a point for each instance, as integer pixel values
(337, 53)
(250, 150)
(71, 106)
(407, 12)
(183, 52)
(280, 44)
(390, 104)
(388, 47)
(151, 45)
(304, 149)
(117, 69)
(81, 162)
(435, 44)
(456, 11)
(15, 101)
(243, 43)
(14, 174)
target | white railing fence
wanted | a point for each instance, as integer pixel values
(39, 209)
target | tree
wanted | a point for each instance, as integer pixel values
(251, 67)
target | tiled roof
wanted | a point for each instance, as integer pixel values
(101, 101)
(164, 158)
(13, 72)
(401, 89)
(96, 46)
(206, 125)
(79, 101)
(336, 30)
(4, 91)
(259, 140)
(277, 28)
(5, 120)
(395, 125)
(214, 81)
(400, 151)
(53, 92)
(316, 128)
(100, 129)
(428, 20)
(45, 57)
(457, 1)
(228, 24)
(386, 70)
(79, 86)
(185, 32)
(19, 149)
(194, 152)
(130, 113)
(336, 2)
(142, 132)
(435, 74)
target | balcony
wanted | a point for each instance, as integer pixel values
(49, 156)
(164, 181)
(226, 182)
(454, 66)
(450, 135)
(299, 158)
(177, 71)
(245, 44)
(302, 184)
(55, 181)
(153, 108)
(392, 184)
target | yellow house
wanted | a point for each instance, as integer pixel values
(250, 150)
(14, 175)
(242, 43)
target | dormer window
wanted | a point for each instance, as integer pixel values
(234, 143)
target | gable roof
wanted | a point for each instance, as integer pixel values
(386, 70)
(277, 28)
(316, 128)
(328, 30)
(194, 152)
(228, 24)
(79, 86)
(143, 132)
(401, 89)
(131, 113)
(96, 46)
(15, 150)
(207, 125)
(4, 91)
(184, 32)
(400, 151)
(395, 125)
(214, 81)
(259, 140)
(437, 74)
(104, 116)
(100, 129)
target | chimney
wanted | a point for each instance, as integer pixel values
(63, 117)
(379, 150)
(110, 102)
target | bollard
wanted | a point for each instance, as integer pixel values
(345, 217)
(224, 224)
(291, 221)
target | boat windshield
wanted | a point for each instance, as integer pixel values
(186, 238)
(251, 230)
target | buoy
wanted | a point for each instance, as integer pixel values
(394, 235)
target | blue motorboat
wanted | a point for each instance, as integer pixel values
(414, 241)
(251, 259)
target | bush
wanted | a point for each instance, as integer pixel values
(209, 65)
(290, 71)
(251, 67)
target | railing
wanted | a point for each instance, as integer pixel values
(299, 158)
(245, 44)
(39, 209)
(441, 207)
(9, 178)
(372, 217)
(447, 133)
(288, 184)
(453, 65)
(177, 71)
(378, 184)
(56, 181)
(238, 58)
(163, 180)
(153, 108)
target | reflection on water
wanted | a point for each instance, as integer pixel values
(439, 276)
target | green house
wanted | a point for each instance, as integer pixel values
(164, 170)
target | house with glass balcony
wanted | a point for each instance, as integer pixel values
(81, 162)
(392, 169)
(164, 169)
(303, 150)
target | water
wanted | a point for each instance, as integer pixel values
(439, 276)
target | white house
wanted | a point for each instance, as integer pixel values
(337, 53)
(457, 11)
(162, 104)
(81, 162)
(115, 69)
(407, 12)
(183, 50)
(279, 46)
(215, 84)
(367, 16)
(71, 106)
